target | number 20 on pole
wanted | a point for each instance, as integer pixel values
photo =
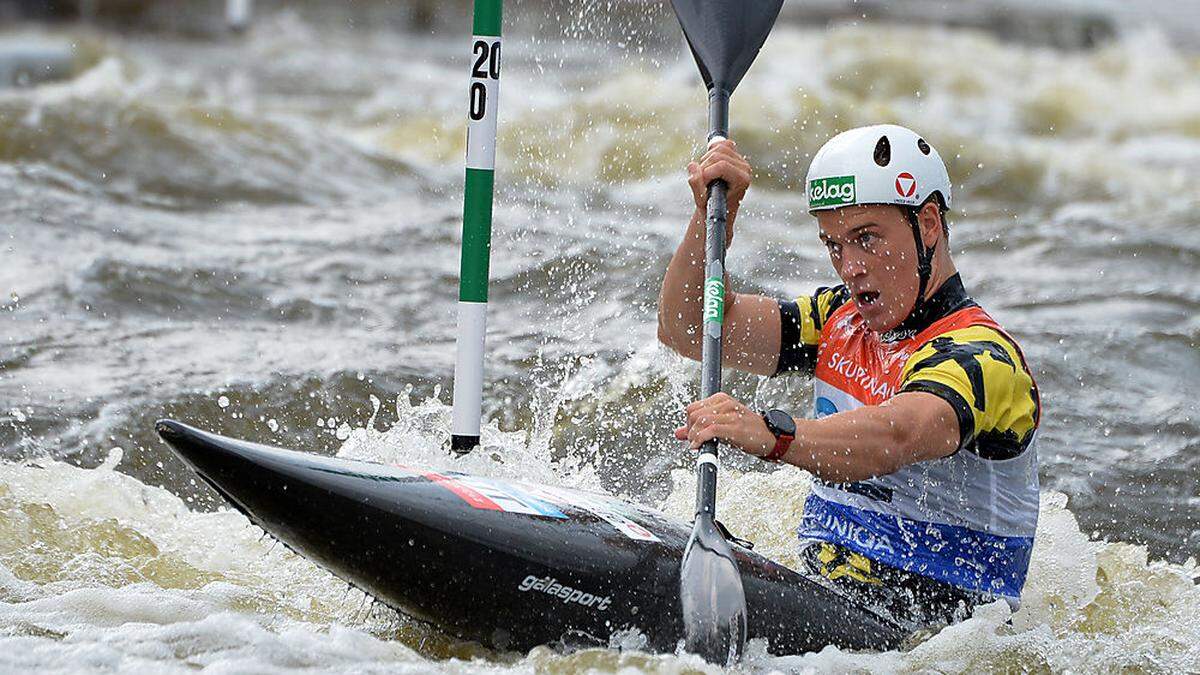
(487, 67)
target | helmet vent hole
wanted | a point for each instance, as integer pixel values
(922, 146)
(883, 151)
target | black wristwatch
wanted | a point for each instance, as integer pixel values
(784, 427)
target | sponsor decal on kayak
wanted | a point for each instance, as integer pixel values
(480, 493)
(488, 495)
(834, 191)
(610, 511)
(551, 587)
(539, 500)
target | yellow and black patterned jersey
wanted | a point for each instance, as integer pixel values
(802, 320)
(949, 347)
(967, 518)
(980, 372)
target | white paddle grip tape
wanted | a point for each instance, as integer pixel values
(716, 139)
(706, 458)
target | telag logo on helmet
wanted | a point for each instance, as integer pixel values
(832, 191)
(906, 185)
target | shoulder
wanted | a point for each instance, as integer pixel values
(978, 335)
(813, 311)
(801, 321)
(979, 369)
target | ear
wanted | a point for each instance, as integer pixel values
(929, 219)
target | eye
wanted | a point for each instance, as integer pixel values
(867, 239)
(835, 249)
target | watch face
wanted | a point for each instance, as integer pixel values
(781, 423)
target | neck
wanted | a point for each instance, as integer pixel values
(940, 299)
(941, 269)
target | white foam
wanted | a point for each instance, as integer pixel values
(205, 591)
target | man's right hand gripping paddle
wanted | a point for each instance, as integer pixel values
(725, 37)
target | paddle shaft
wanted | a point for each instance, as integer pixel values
(714, 302)
(724, 36)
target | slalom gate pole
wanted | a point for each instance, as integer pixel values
(477, 224)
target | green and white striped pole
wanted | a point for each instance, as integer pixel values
(477, 224)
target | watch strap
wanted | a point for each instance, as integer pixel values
(783, 441)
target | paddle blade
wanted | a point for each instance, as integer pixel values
(714, 603)
(725, 35)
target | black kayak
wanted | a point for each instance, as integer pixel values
(506, 564)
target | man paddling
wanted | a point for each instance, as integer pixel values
(926, 494)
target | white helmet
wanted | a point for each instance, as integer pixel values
(880, 164)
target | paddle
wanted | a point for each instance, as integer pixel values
(725, 36)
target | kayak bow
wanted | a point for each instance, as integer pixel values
(506, 564)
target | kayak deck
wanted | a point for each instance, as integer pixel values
(507, 564)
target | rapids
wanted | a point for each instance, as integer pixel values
(260, 236)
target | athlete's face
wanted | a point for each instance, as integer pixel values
(873, 251)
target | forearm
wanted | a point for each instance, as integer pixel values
(681, 301)
(853, 445)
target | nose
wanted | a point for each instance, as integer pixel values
(853, 264)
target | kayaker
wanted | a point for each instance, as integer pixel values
(925, 501)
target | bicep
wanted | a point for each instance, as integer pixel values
(752, 334)
(929, 424)
(757, 340)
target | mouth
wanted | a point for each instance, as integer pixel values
(866, 298)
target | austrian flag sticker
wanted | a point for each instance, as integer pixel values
(906, 185)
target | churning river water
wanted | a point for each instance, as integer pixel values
(260, 236)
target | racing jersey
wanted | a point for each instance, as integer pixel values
(967, 519)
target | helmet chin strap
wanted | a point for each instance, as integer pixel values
(924, 265)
